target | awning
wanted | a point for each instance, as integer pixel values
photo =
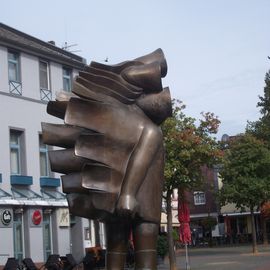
(33, 203)
(25, 196)
(239, 213)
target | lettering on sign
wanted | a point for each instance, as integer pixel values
(6, 217)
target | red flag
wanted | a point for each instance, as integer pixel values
(184, 219)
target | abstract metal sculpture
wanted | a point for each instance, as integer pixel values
(113, 159)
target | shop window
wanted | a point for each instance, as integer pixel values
(67, 79)
(18, 234)
(47, 234)
(16, 152)
(199, 198)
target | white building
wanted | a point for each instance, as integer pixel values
(34, 217)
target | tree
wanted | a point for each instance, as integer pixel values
(188, 148)
(246, 175)
(261, 128)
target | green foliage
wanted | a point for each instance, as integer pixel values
(188, 147)
(261, 127)
(245, 172)
(162, 246)
(175, 235)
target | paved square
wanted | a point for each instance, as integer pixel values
(223, 258)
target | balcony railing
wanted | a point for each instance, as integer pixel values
(45, 94)
(15, 88)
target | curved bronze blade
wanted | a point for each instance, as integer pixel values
(93, 87)
(157, 106)
(155, 56)
(62, 135)
(65, 161)
(95, 205)
(105, 118)
(113, 76)
(86, 93)
(110, 84)
(114, 68)
(101, 178)
(146, 76)
(57, 108)
(72, 183)
(104, 150)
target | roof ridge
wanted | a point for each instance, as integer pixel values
(41, 42)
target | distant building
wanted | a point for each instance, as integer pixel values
(202, 204)
(34, 217)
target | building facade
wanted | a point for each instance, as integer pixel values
(34, 217)
(203, 207)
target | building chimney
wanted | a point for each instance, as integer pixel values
(52, 42)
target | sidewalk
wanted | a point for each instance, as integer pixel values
(223, 258)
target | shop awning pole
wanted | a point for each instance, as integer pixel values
(187, 260)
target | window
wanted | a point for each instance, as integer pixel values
(43, 158)
(14, 77)
(16, 152)
(67, 79)
(44, 81)
(44, 75)
(18, 235)
(47, 234)
(199, 198)
(13, 67)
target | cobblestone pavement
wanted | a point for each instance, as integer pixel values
(223, 258)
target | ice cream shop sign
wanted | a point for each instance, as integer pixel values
(36, 217)
(6, 217)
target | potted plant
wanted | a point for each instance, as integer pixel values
(162, 247)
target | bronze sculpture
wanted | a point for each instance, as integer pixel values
(113, 158)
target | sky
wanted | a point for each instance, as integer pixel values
(216, 50)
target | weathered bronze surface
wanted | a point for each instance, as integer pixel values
(113, 159)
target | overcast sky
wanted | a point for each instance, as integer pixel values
(216, 49)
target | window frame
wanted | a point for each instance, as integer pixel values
(67, 77)
(43, 149)
(18, 247)
(20, 133)
(17, 63)
(47, 221)
(48, 87)
(198, 199)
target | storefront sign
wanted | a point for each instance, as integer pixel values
(6, 217)
(63, 217)
(36, 217)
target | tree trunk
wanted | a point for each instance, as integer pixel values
(254, 239)
(264, 230)
(172, 257)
